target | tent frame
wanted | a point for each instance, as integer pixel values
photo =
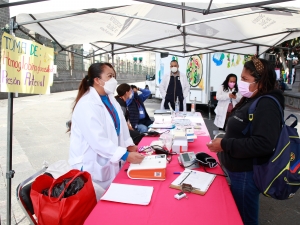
(183, 33)
(140, 47)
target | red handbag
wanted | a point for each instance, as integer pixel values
(62, 211)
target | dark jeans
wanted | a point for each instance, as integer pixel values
(145, 121)
(246, 196)
(172, 103)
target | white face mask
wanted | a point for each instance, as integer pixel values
(244, 89)
(131, 95)
(174, 69)
(110, 86)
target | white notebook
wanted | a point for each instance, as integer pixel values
(200, 181)
(130, 194)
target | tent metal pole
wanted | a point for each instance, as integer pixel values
(236, 41)
(221, 18)
(257, 49)
(269, 46)
(112, 54)
(116, 53)
(53, 18)
(153, 48)
(219, 51)
(126, 44)
(171, 5)
(240, 41)
(97, 47)
(29, 35)
(208, 8)
(160, 39)
(183, 29)
(20, 3)
(208, 72)
(140, 18)
(203, 11)
(243, 6)
(282, 9)
(223, 50)
(148, 48)
(75, 53)
(139, 46)
(88, 55)
(209, 37)
(87, 11)
(160, 52)
(267, 35)
(274, 46)
(47, 32)
(9, 172)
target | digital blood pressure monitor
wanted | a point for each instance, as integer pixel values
(188, 160)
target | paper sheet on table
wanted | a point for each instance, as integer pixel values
(130, 194)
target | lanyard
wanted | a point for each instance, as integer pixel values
(112, 113)
(137, 102)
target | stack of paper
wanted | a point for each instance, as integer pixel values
(200, 181)
(130, 194)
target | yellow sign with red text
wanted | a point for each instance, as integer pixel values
(26, 66)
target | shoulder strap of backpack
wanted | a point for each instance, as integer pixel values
(253, 107)
(295, 122)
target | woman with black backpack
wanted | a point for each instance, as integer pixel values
(237, 150)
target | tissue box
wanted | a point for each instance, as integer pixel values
(179, 134)
(180, 146)
(190, 135)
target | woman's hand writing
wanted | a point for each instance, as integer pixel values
(134, 157)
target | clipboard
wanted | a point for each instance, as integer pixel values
(200, 181)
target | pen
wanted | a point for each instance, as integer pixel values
(185, 177)
(180, 172)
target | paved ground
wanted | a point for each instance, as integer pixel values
(39, 134)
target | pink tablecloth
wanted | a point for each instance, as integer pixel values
(217, 206)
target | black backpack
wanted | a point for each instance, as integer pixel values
(279, 178)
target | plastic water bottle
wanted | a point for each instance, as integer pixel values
(161, 72)
(193, 106)
(177, 105)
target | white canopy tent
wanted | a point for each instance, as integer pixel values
(181, 28)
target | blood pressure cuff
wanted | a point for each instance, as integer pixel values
(205, 159)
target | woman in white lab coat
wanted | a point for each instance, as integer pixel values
(99, 134)
(227, 96)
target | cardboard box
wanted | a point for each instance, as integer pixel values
(180, 145)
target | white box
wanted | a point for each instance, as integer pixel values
(180, 146)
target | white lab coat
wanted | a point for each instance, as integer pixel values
(163, 87)
(95, 146)
(222, 106)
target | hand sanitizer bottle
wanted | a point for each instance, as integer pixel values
(177, 105)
